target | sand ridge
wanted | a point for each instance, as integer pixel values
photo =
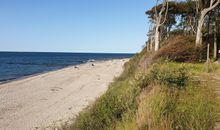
(45, 99)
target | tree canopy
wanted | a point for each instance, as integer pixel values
(197, 18)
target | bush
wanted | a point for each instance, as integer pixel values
(130, 68)
(110, 108)
(181, 49)
(171, 76)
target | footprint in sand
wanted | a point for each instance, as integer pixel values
(99, 77)
(55, 89)
(43, 99)
(82, 87)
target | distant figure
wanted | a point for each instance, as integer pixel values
(76, 67)
(93, 65)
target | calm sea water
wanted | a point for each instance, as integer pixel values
(14, 65)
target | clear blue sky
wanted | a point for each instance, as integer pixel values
(73, 25)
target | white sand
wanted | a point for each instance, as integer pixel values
(54, 97)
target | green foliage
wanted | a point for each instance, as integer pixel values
(118, 103)
(197, 108)
(130, 68)
(110, 108)
(193, 108)
(170, 76)
(180, 104)
(128, 122)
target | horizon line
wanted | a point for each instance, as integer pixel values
(69, 52)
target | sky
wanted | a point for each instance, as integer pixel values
(110, 26)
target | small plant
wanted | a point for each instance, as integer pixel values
(130, 68)
(164, 74)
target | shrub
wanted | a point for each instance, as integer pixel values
(181, 49)
(110, 108)
(171, 76)
(130, 68)
(143, 80)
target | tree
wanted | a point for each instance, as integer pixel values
(216, 29)
(198, 18)
(159, 20)
(167, 21)
(204, 11)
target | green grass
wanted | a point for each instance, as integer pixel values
(166, 96)
(181, 102)
(192, 108)
(116, 104)
(110, 108)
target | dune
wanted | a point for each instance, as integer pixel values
(56, 97)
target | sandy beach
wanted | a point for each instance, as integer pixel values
(55, 97)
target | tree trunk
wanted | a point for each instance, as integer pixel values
(213, 4)
(157, 40)
(208, 59)
(215, 42)
(215, 45)
(148, 46)
(151, 44)
(159, 22)
(199, 30)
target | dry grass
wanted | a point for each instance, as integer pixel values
(163, 96)
(181, 49)
(166, 107)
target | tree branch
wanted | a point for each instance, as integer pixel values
(165, 17)
(212, 6)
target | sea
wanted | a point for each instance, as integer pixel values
(16, 65)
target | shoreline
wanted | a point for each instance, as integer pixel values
(54, 97)
(40, 73)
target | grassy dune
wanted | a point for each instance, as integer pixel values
(155, 94)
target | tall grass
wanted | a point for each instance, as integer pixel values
(110, 108)
(181, 103)
(118, 103)
(166, 97)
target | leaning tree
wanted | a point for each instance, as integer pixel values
(159, 18)
(205, 7)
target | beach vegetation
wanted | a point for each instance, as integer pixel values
(166, 96)
(167, 85)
